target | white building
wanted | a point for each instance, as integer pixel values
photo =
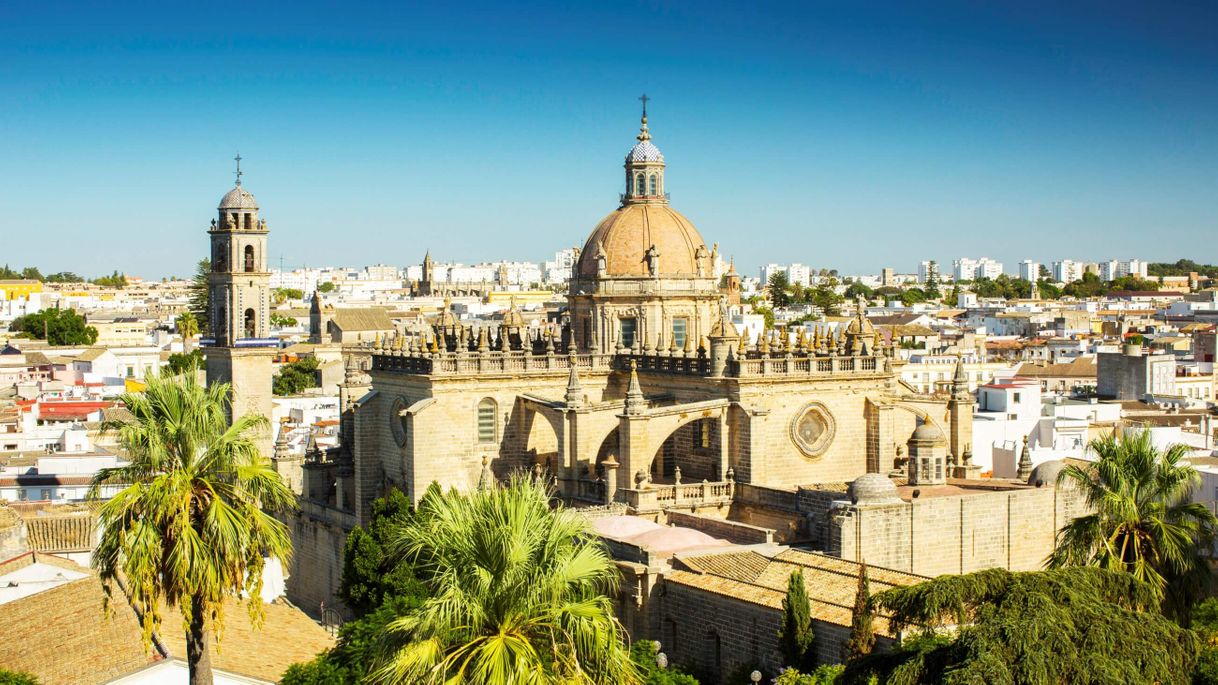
(1068, 271)
(1029, 270)
(769, 270)
(798, 273)
(927, 269)
(966, 269)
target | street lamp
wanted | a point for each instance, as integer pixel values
(755, 676)
(662, 660)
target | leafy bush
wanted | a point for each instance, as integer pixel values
(643, 654)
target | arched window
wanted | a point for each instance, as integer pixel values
(249, 258)
(487, 409)
(251, 324)
(653, 189)
(639, 187)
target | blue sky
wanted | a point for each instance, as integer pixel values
(842, 135)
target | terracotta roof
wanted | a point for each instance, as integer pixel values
(1079, 367)
(362, 319)
(59, 534)
(744, 566)
(831, 582)
(286, 637)
(92, 354)
(63, 635)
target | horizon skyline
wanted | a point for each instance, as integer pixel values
(833, 135)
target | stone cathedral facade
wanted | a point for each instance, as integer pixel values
(643, 397)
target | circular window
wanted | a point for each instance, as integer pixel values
(812, 429)
(397, 421)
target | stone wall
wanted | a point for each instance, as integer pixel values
(1013, 528)
(716, 626)
(739, 533)
(317, 560)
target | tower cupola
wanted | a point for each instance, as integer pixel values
(644, 168)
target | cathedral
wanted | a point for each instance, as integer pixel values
(646, 409)
(643, 394)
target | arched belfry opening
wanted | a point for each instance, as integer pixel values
(249, 259)
(251, 324)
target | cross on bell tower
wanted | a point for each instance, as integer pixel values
(238, 158)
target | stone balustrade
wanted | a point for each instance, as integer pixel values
(804, 366)
(655, 497)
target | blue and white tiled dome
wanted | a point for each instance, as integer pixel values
(644, 151)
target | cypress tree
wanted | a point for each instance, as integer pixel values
(795, 638)
(862, 630)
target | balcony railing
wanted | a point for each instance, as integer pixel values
(662, 496)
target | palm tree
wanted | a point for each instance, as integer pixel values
(1144, 520)
(188, 328)
(517, 594)
(195, 522)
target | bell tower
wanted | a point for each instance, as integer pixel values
(240, 349)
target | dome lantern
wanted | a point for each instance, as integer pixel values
(644, 168)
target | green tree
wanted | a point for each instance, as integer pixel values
(1143, 519)
(8, 677)
(780, 286)
(64, 277)
(862, 621)
(199, 302)
(1089, 285)
(795, 638)
(825, 674)
(517, 594)
(179, 364)
(281, 295)
(281, 320)
(188, 328)
(932, 287)
(196, 520)
(644, 653)
(767, 314)
(114, 280)
(824, 296)
(1205, 624)
(31, 273)
(1133, 283)
(855, 289)
(1082, 625)
(1048, 291)
(295, 377)
(370, 578)
(325, 287)
(57, 327)
(911, 296)
(357, 648)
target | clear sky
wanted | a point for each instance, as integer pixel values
(836, 134)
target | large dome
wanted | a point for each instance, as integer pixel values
(238, 198)
(628, 232)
